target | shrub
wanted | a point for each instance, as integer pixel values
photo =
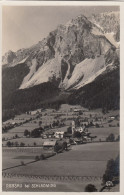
(112, 170)
(69, 130)
(77, 134)
(16, 144)
(16, 136)
(26, 132)
(97, 125)
(22, 163)
(42, 157)
(118, 138)
(22, 144)
(37, 158)
(90, 188)
(8, 144)
(110, 138)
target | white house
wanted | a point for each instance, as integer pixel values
(59, 134)
(111, 117)
(49, 144)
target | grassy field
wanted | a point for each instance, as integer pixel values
(28, 141)
(86, 160)
(81, 160)
(19, 118)
(20, 130)
(13, 156)
(103, 133)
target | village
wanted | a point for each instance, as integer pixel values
(73, 132)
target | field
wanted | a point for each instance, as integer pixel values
(88, 156)
(20, 130)
(13, 156)
(87, 160)
(102, 133)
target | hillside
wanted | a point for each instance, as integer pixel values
(103, 92)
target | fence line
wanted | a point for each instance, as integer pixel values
(55, 177)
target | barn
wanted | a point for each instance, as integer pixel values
(59, 134)
(49, 144)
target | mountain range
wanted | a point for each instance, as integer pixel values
(76, 63)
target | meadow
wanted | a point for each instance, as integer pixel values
(80, 160)
(104, 132)
(14, 156)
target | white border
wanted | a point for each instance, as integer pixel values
(79, 3)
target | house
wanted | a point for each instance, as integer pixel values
(112, 117)
(87, 139)
(77, 140)
(77, 109)
(50, 134)
(79, 129)
(59, 134)
(13, 123)
(67, 135)
(33, 112)
(49, 144)
(44, 136)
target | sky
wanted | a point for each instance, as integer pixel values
(23, 26)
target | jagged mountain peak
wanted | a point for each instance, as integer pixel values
(8, 57)
(108, 21)
(73, 54)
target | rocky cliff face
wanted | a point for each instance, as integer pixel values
(8, 57)
(72, 55)
(107, 21)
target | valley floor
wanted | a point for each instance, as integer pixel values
(69, 171)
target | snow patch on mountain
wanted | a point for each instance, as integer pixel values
(110, 37)
(85, 70)
(20, 62)
(43, 74)
(30, 74)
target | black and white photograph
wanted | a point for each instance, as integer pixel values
(60, 98)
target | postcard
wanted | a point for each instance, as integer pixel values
(62, 98)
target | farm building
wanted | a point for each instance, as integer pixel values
(67, 135)
(57, 146)
(87, 139)
(111, 117)
(76, 141)
(80, 129)
(59, 134)
(77, 110)
(35, 112)
(49, 135)
(49, 144)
